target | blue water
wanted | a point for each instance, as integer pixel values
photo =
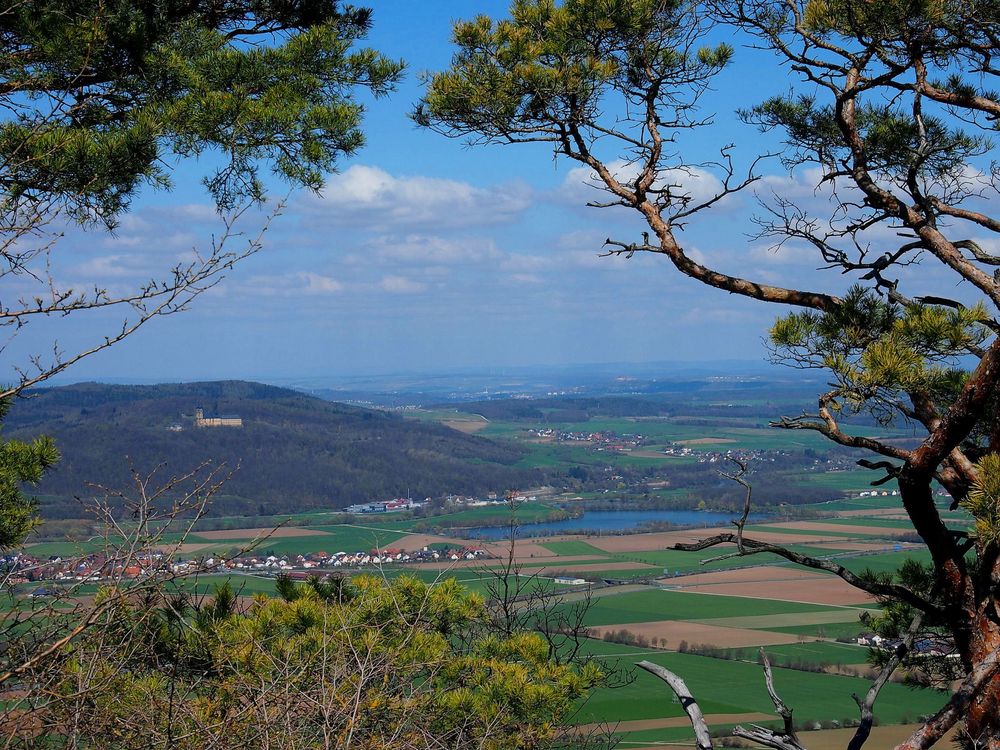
(607, 521)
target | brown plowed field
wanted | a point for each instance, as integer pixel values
(676, 631)
(551, 562)
(523, 550)
(744, 575)
(775, 583)
(642, 542)
(667, 539)
(765, 622)
(881, 737)
(821, 527)
(412, 542)
(818, 590)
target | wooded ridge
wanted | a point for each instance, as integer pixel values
(294, 452)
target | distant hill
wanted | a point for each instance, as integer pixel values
(295, 452)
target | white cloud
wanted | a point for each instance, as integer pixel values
(313, 283)
(401, 285)
(108, 266)
(293, 284)
(525, 278)
(418, 249)
(371, 198)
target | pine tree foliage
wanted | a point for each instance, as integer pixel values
(20, 463)
(106, 93)
(399, 665)
(104, 98)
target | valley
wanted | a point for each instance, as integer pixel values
(606, 490)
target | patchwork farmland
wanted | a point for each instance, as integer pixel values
(703, 615)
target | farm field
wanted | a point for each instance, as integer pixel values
(724, 687)
(703, 618)
(661, 604)
(660, 431)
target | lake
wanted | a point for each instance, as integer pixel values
(610, 521)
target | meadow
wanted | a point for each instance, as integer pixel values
(736, 687)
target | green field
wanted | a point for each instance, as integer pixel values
(823, 630)
(872, 521)
(663, 430)
(654, 605)
(815, 652)
(854, 481)
(887, 562)
(722, 686)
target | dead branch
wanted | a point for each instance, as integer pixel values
(703, 737)
(785, 739)
(738, 477)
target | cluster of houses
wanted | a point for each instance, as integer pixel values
(712, 457)
(602, 440)
(316, 561)
(99, 567)
(22, 567)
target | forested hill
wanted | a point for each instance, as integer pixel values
(295, 452)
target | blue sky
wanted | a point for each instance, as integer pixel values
(426, 254)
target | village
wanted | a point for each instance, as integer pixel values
(102, 567)
(601, 440)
